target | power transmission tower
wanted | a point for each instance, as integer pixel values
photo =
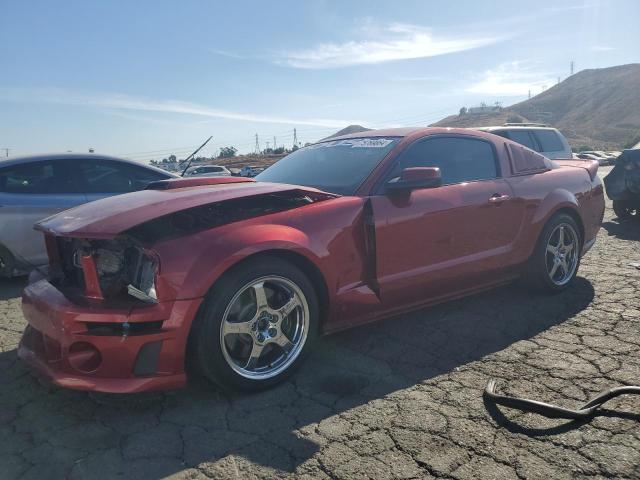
(529, 93)
(6, 152)
(274, 142)
(295, 138)
(571, 68)
(257, 148)
(267, 149)
(558, 80)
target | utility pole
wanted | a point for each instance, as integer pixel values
(572, 66)
(558, 80)
(529, 94)
(257, 149)
(295, 138)
(6, 152)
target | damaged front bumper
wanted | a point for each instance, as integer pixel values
(90, 345)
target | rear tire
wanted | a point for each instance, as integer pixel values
(256, 326)
(624, 210)
(556, 258)
(7, 262)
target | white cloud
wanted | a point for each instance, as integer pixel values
(601, 48)
(418, 78)
(394, 42)
(126, 102)
(510, 79)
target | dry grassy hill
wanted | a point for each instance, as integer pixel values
(598, 107)
(250, 159)
(348, 130)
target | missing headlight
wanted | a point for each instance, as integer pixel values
(124, 268)
(143, 280)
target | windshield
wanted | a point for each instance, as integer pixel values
(338, 166)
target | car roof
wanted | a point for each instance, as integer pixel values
(384, 132)
(513, 127)
(72, 156)
(410, 132)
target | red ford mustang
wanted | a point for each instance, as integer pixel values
(241, 276)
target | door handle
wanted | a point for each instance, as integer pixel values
(498, 198)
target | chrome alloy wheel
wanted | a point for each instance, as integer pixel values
(562, 254)
(264, 327)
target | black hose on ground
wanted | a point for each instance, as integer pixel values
(554, 411)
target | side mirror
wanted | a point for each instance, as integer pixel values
(415, 178)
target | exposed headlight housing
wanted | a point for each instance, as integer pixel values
(123, 268)
(143, 279)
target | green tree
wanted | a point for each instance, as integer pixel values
(228, 152)
(463, 111)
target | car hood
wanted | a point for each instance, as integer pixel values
(111, 216)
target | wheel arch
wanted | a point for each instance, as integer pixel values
(557, 202)
(573, 213)
(307, 266)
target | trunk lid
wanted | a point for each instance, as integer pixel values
(590, 166)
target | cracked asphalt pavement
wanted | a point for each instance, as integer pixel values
(400, 398)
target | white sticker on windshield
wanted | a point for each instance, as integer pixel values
(355, 143)
(369, 142)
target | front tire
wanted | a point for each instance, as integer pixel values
(256, 325)
(556, 258)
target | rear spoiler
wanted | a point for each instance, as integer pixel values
(590, 166)
(170, 184)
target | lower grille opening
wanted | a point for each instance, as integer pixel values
(124, 329)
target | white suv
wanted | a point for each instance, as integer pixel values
(539, 137)
(207, 171)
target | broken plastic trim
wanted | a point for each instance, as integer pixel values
(149, 297)
(554, 411)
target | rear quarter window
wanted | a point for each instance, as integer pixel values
(525, 161)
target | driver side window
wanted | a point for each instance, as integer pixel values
(459, 159)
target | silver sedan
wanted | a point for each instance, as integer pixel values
(35, 187)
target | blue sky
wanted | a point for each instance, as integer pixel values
(147, 78)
